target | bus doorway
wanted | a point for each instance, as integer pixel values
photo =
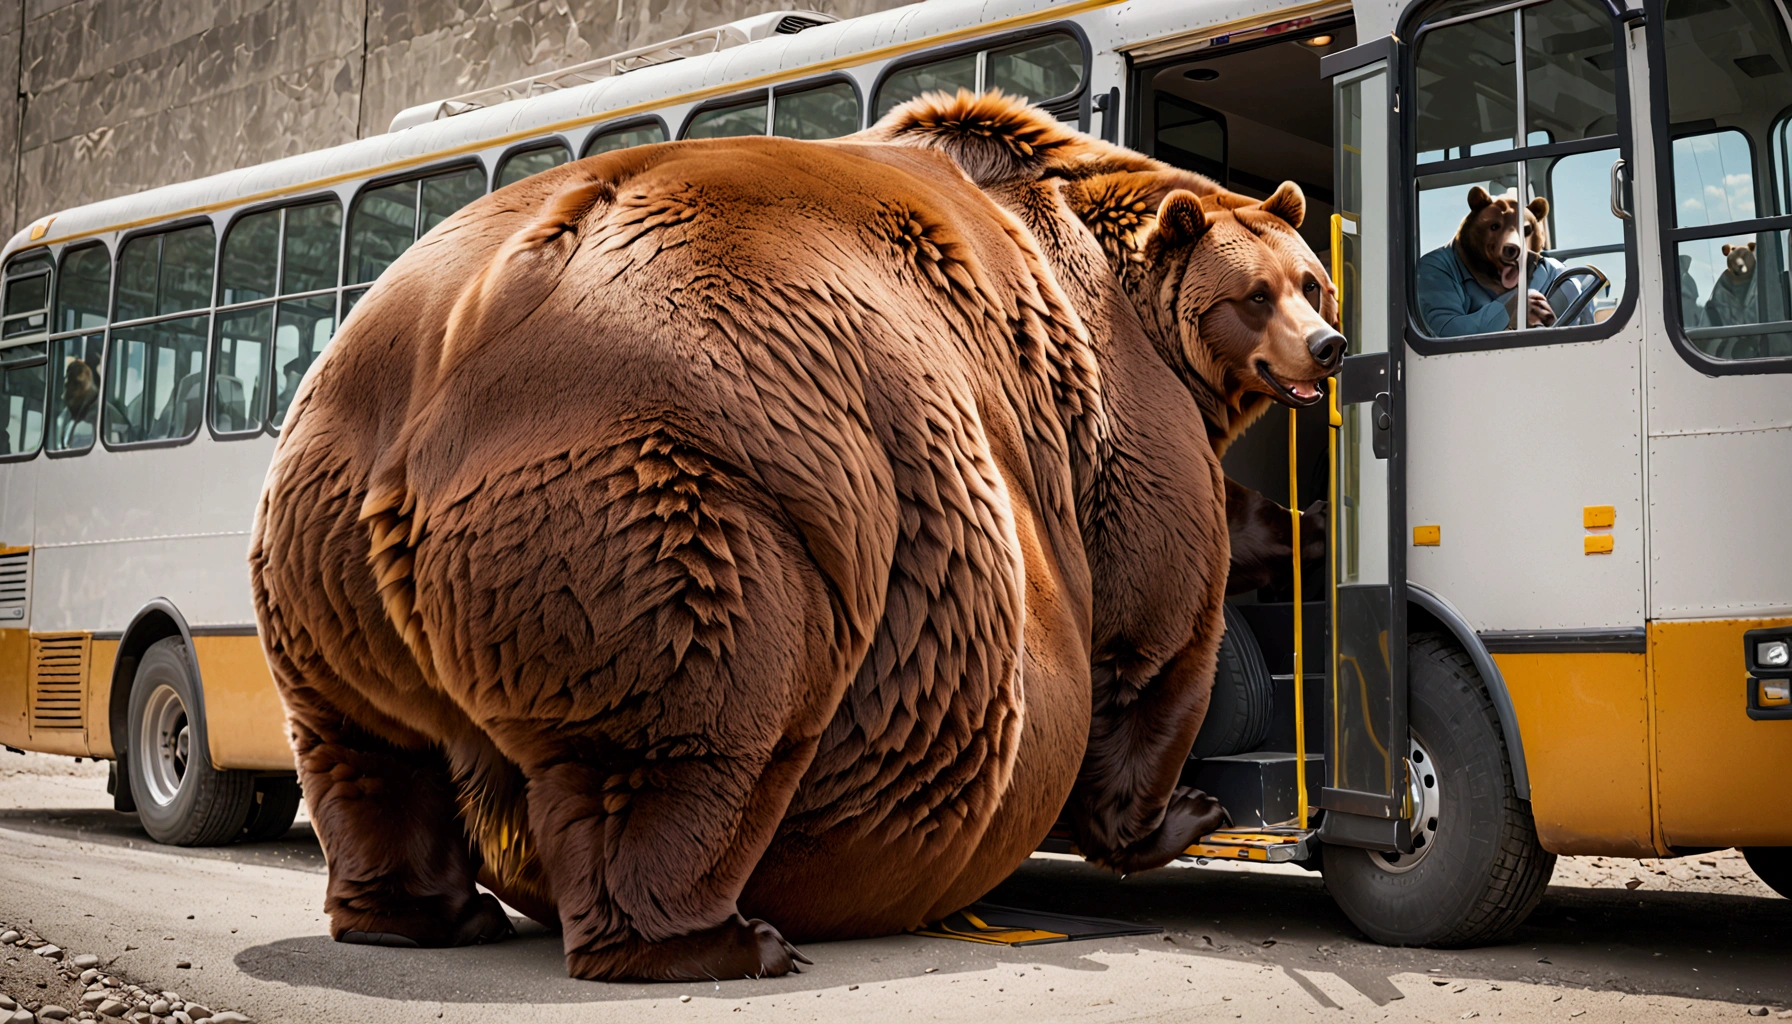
(1251, 115)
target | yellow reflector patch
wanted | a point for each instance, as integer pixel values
(1427, 536)
(1598, 544)
(1595, 516)
(40, 230)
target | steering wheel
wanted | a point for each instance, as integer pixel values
(1581, 301)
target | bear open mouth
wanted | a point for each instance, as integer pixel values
(1297, 395)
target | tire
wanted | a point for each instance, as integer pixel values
(1480, 872)
(1773, 865)
(1243, 705)
(275, 805)
(181, 799)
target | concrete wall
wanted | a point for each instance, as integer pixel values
(116, 96)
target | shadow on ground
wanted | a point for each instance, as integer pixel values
(1659, 943)
(297, 849)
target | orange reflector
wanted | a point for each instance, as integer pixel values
(1598, 544)
(1427, 536)
(1594, 516)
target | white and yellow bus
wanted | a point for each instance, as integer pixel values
(1555, 612)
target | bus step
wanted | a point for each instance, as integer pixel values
(1276, 845)
(1257, 789)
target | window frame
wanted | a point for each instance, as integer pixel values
(104, 331)
(1082, 97)
(21, 256)
(621, 125)
(805, 85)
(1668, 229)
(737, 99)
(522, 148)
(113, 323)
(273, 301)
(366, 185)
(1417, 336)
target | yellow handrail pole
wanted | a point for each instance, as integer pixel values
(1300, 707)
(1336, 421)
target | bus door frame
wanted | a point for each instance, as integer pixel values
(1368, 619)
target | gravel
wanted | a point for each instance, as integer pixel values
(53, 980)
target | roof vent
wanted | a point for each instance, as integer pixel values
(693, 44)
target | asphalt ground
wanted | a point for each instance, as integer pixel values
(1695, 939)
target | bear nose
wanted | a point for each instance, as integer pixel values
(1327, 347)
(1509, 251)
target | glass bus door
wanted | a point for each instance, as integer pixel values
(1364, 795)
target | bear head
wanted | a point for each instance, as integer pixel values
(1499, 242)
(1739, 262)
(1236, 302)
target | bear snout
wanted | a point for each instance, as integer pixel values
(1327, 347)
(1509, 252)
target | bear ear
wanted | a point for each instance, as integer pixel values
(1478, 199)
(1180, 219)
(1727, 248)
(1288, 203)
(1751, 247)
(1539, 207)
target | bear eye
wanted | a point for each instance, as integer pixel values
(1259, 297)
(1310, 287)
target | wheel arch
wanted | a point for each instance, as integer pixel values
(157, 620)
(1430, 611)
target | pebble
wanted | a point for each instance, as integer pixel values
(21, 1016)
(52, 952)
(94, 998)
(6, 1003)
(111, 1008)
(86, 960)
(198, 1011)
(160, 1008)
(52, 1012)
(88, 975)
(9, 936)
(229, 1017)
(684, 999)
(180, 1017)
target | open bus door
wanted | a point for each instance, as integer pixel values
(1366, 798)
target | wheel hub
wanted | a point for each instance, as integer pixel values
(1427, 800)
(166, 744)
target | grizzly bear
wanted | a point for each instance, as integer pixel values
(784, 605)
(1732, 299)
(1500, 253)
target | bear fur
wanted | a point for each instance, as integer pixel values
(1733, 299)
(1500, 253)
(781, 603)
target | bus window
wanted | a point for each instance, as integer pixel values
(302, 328)
(82, 289)
(518, 166)
(1729, 72)
(155, 384)
(1492, 179)
(722, 122)
(386, 220)
(824, 112)
(24, 318)
(1038, 69)
(949, 75)
(640, 134)
(253, 374)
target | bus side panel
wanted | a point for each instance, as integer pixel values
(1721, 775)
(1585, 723)
(100, 662)
(245, 722)
(15, 658)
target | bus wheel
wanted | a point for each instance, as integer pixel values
(181, 799)
(276, 805)
(1476, 870)
(1773, 865)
